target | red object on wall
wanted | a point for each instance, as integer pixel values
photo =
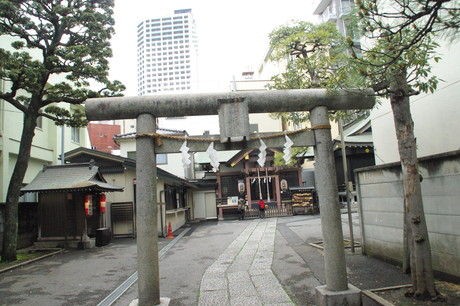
(102, 203)
(88, 206)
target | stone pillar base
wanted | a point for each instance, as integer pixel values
(164, 301)
(350, 297)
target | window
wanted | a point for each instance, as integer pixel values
(345, 6)
(162, 159)
(75, 134)
(40, 122)
(131, 154)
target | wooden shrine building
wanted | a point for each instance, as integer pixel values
(241, 176)
(71, 203)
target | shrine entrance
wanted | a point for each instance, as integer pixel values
(264, 190)
(233, 109)
(245, 178)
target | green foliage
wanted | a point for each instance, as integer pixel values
(76, 118)
(380, 64)
(404, 35)
(279, 160)
(317, 56)
(313, 52)
(59, 53)
(387, 17)
(61, 50)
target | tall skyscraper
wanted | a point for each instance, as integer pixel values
(167, 53)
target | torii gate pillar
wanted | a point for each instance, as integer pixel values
(146, 214)
(337, 288)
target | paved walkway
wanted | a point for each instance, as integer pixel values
(242, 274)
(235, 261)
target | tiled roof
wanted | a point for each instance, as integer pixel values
(357, 133)
(101, 136)
(70, 177)
(163, 174)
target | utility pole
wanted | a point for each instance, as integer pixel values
(345, 178)
(62, 144)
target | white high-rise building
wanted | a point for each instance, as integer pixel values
(167, 54)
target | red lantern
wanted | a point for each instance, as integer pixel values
(102, 203)
(88, 205)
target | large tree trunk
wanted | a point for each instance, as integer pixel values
(10, 231)
(406, 235)
(419, 245)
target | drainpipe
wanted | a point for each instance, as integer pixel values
(161, 214)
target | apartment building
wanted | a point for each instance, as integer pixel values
(166, 53)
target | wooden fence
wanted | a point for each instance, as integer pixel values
(271, 210)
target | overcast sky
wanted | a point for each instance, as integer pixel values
(232, 35)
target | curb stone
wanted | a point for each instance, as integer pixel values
(30, 261)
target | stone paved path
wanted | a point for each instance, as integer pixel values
(242, 275)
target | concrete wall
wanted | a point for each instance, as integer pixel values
(46, 145)
(175, 216)
(126, 180)
(194, 125)
(173, 165)
(380, 193)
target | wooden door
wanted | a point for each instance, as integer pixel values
(210, 202)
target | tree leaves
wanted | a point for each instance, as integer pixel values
(316, 56)
(404, 38)
(62, 50)
(76, 118)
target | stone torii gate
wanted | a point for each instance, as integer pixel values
(233, 109)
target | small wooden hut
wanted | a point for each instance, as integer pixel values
(71, 202)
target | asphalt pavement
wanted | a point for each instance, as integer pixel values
(277, 248)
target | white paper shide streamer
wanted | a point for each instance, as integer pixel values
(287, 149)
(213, 157)
(185, 155)
(262, 154)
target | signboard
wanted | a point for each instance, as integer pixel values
(232, 201)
